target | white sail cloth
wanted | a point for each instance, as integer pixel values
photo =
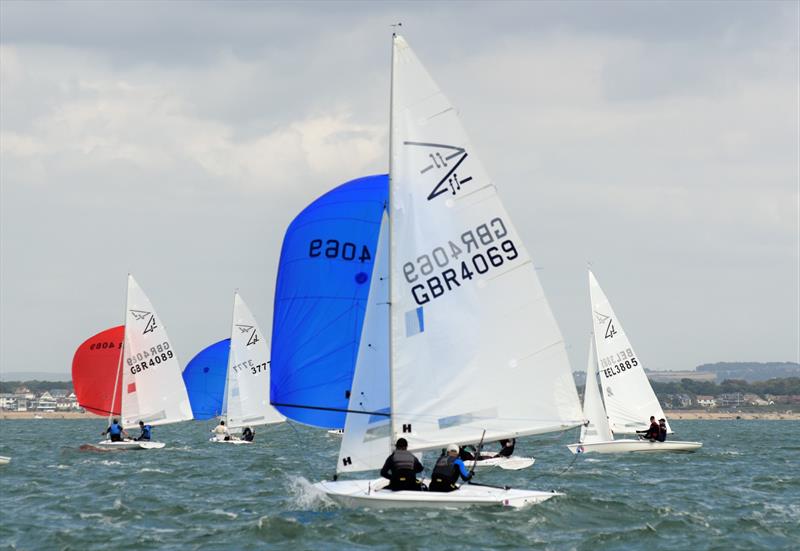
(475, 346)
(152, 385)
(365, 443)
(246, 401)
(597, 429)
(629, 398)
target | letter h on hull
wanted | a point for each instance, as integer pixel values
(406, 428)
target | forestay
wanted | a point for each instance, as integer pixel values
(629, 398)
(247, 387)
(597, 430)
(365, 443)
(320, 297)
(152, 386)
(475, 345)
(204, 377)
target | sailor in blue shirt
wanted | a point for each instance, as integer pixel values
(447, 471)
(147, 431)
(115, 431)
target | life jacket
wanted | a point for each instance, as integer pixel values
(662, 434)
(403, 475)
(445, 472)
(146, 432)
(115, 429)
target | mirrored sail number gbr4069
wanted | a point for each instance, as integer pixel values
(474, 253)
(149, 358)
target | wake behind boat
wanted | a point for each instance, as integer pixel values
(627, 396)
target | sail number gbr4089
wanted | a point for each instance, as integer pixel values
(474, 253)
(149, 358)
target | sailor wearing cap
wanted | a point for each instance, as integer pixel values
(447, 471)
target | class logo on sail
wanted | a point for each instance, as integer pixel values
(140, 315)
(442, 161)
(253, 336)
(602, 319)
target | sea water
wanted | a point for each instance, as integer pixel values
(740, 491)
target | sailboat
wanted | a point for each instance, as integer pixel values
(627, 400)
(246, 396)
(132, 371)
(4, 460)
(459, 344)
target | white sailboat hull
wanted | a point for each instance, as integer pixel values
(640, 446)
(4, 460)
(507, 463)
(130, 445)
(231, 440)
(371, 493)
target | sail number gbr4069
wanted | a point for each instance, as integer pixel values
(474, 253)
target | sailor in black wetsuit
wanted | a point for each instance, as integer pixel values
(507, 447)
(248, 434)
(662, 430)
(147, 432)
(401, 468)
(115, 431)
(448, 469)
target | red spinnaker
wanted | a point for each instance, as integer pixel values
(94, 371)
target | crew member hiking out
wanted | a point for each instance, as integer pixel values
(401, 468)
(448, 469)
(248, 434)
(147, 432)
(115, 431)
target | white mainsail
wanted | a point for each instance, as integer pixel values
(365, 443)
(475, 346)
(152, 385)
(597, 429)
(629, 398)
(246, 401)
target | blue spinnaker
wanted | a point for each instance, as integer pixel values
(320, 299)
(204, 378)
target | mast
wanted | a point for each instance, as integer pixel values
(224, 412)
(121, 357)
(391, 242)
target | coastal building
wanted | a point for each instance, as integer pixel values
(706, 401)
(46, 402)
(731, 399)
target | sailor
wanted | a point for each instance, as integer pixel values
(248, 434)
(147, 431)
(115, 431)
(221, 431)
(507, 447)
(401, 468)
(448, 469)
(662, 430)
(652, 432)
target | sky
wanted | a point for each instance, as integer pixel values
(657, 142)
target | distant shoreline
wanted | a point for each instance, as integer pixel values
(676, 414)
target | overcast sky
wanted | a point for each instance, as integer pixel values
(177, 140)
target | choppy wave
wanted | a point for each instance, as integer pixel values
(741, 491)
